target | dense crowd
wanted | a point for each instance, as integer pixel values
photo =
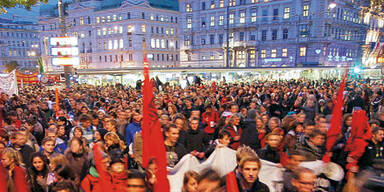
(284, 122)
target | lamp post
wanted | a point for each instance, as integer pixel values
(67, 69)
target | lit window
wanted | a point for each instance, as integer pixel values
(161, 17)
(153, 43)
(157, 43)
(303, 51)
(188, 7)
(284, 52)
(98, 32)
(242, 17)
(81, 21)
(130, 28)
(114, 17)
(221, 20)
(213, 5)
(121, 42)
(120, 29)
(108, 18)
(305, 10)
(110, 46)
(115, 44)
(263, 53)
(254, 1)
(232, 3)
(253, 16)
(221, 3)
(287, 11)
(171, 30)
(97, 19)
(189, 22)
(273, 53)
(143, 28)
(212, 23)
(231, 18)
(104, 31)
(82, 35)
(252, 54)
(212, 57)
(163, 43)
(103, 19)
(152, 17)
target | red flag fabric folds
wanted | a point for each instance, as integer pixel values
(231, 182)
(153, 141)
(336, 120)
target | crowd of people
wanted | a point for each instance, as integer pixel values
(285, 122)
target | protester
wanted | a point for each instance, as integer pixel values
(190, 181)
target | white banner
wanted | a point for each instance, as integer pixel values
(8, 83)
(271, 175)
(222, 160)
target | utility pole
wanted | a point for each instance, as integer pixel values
(228, 61)
(63, 31)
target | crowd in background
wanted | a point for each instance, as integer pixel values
(55, 147)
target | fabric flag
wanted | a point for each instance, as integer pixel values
(20, 179)
(153, 141)
(3, 179)
(231, 182)
(104, 178)
(57, 100)
(336, 120)
(360, 133)
(41, 68)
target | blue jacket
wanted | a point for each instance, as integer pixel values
(130, 131)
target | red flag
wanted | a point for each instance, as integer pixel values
(153, 141)
(3, 179)
(231, 182)
(336, 120)
(20, 179)
(360, 133)
(104, 177)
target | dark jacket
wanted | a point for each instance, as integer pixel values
(311, 152)
(256, 187)
(26, 152)
(76, 161)
(269, 154)
(372, 151)
(196, 140)
(250, 135)
(175, 153)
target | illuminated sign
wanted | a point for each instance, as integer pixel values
(64, 41)
(65, 51)
(66, 61)
(272, 60)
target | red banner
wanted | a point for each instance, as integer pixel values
(27, 78)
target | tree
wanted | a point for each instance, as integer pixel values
(10, 66)
(4, 4)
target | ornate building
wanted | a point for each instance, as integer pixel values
(271, 33)
(116, 33)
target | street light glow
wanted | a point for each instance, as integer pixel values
(332, 5)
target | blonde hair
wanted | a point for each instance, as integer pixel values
(115, 139)
(244, 151)
(58, 160)
(188, 176)
(15, 155)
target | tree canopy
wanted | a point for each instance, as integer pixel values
(4, 4)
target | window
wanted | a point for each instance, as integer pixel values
(143, 28)
(202, 5)
(187, 40)
(142, 15)
(108, 18)
(212, 22)
(103, 19)
(273, 53)
(303, 51)
(285, 33)
(221, 39)
(264, 35)
(157, 43)
(128, 15)
(305, 10)
(212, 39)
(104, 31)
(274, 34)
(275, 14)
(242, 17)
(221, 20)
(253, 37)
(252, 54)
(284, 52)
(231, 18)
(202, 40)
(221, 3)
(115, 44)
(242, 35)
(263, 53)
(253, 16)
(98, 32)
(97, 19)
(304, 32)
(81, 21)
(232, 3)
(110, 44)
(152, 17)
(213, 5)
(189, 22)
(120, 29)
(287, 12)
(203, 23)
(114, 17)
(188, 7)
(265, 15)
(153, 43)
(162, 44)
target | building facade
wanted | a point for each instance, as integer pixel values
(19, 42)
(116, 33)
(270, 33)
